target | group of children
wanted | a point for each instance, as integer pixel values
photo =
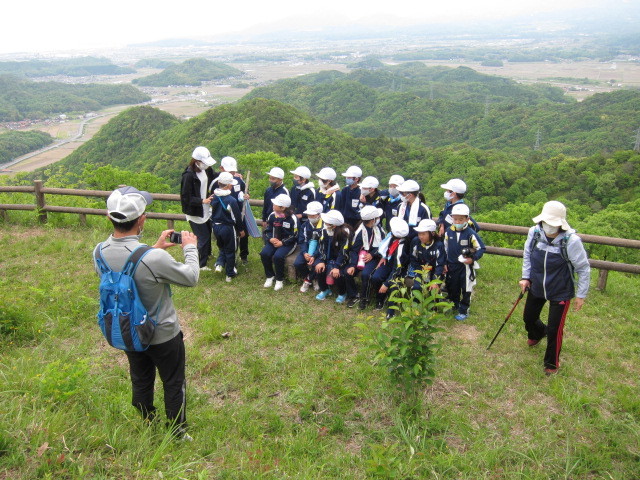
(337, 234)
(380, 236)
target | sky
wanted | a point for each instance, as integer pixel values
(80, 25)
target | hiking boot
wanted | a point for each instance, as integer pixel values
(324, 294)
(218, 268)
(269, 282)
(390, 314)
(461, 317)
(352, 302)
(341, 298)
(550, 371)
(363, 303)
(279, 285)
(305, 286)
(532, 343)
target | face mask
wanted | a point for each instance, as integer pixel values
(300, 182)
(460, 226)
(365, 191)
(314, 221)
(201, 166)
(330, 231)
(274, 184)
(404, 199)
(549, 230)
(350, 181)
(393, 192)
(448, 196)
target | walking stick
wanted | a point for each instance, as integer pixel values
(508, 316)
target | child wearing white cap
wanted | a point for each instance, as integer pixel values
(412, 209)
(369, 193)
(454, 192)
(427, 255)
(464, 248)
(333, 255)
(328, 193)
(303, 191)
(280, 236)
(350, 203)
(276, 187)
(308, 239)
(394, 253)
(363, 255)
(390, 199)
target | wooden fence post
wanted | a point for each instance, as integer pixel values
(170, 224)
(83, 219)
(40, 203)
(602, 280)
(3, 215)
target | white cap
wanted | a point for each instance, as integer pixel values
(369, 212)
(399, 228)
(127, 203)
(301, 171)
(455, 185)
(276, 172)
(426, 225)
(369, 182)
(409, 186)
(396, 180)
(327, 173)
(225, 178)
(202, 155)
(332, 217)
(460, 209)
(282, 200)
(313, 208)
(555, 214)
(229, 164)
(353, 171)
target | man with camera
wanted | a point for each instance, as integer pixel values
(156, 271)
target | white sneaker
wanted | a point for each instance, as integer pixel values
(228, 279)
(205, 269)
(279, 285)
(218, 268)
(269, 282)
(305, 286)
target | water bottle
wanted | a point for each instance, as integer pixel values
(313, 243)
(361, 261)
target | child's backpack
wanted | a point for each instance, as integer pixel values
(122, 317)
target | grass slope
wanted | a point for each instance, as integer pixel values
(292, 393)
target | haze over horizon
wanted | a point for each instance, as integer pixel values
(69, 25)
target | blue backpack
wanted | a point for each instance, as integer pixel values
(122, 317)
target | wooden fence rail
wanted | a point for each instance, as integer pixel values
(39, 191)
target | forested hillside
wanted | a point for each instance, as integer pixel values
(14, 144)
(72, 67)
(190, 72)
(440, 106)
(23, 99)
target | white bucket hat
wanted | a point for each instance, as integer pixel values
(276, 172)
(555, 214)
(327, 173)
(399, 228)
(369, 212)
(353, 171)
(369, 182)
(282, 200)
(225, 178)
(202, 155)
(426, 225)
(332, 217)
(460, 209)
(313, 208)
(301, 171)
(455, 185)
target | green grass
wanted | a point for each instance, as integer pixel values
(292, 392)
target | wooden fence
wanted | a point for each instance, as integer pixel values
(41, 206)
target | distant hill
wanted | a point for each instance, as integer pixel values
(71, 67)
(14, 144)
(440, 106)
(190, 72)
(153, 63)
(24, 99)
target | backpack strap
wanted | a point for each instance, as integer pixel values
(100, 261)
(563, 245)
(132, 262)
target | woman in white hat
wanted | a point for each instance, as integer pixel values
(552, 253)
(363, 255)
(328, 193)
(333, 255)
(276, 187)
(280, 236)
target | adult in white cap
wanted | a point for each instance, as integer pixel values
(226, 218)
(328, 193)
(280, 236)
(276, 187)
(303, 191)
(349, 201)
(308, 239)
(427, 256)
(369, 193)
(552, 254)
(412, 209)
(454, 191)
(333, 255)
(195, 197)
(464, 248)
(390, 198)
(239, 192)
(394, 253)
(156, 271)
(363, 255)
